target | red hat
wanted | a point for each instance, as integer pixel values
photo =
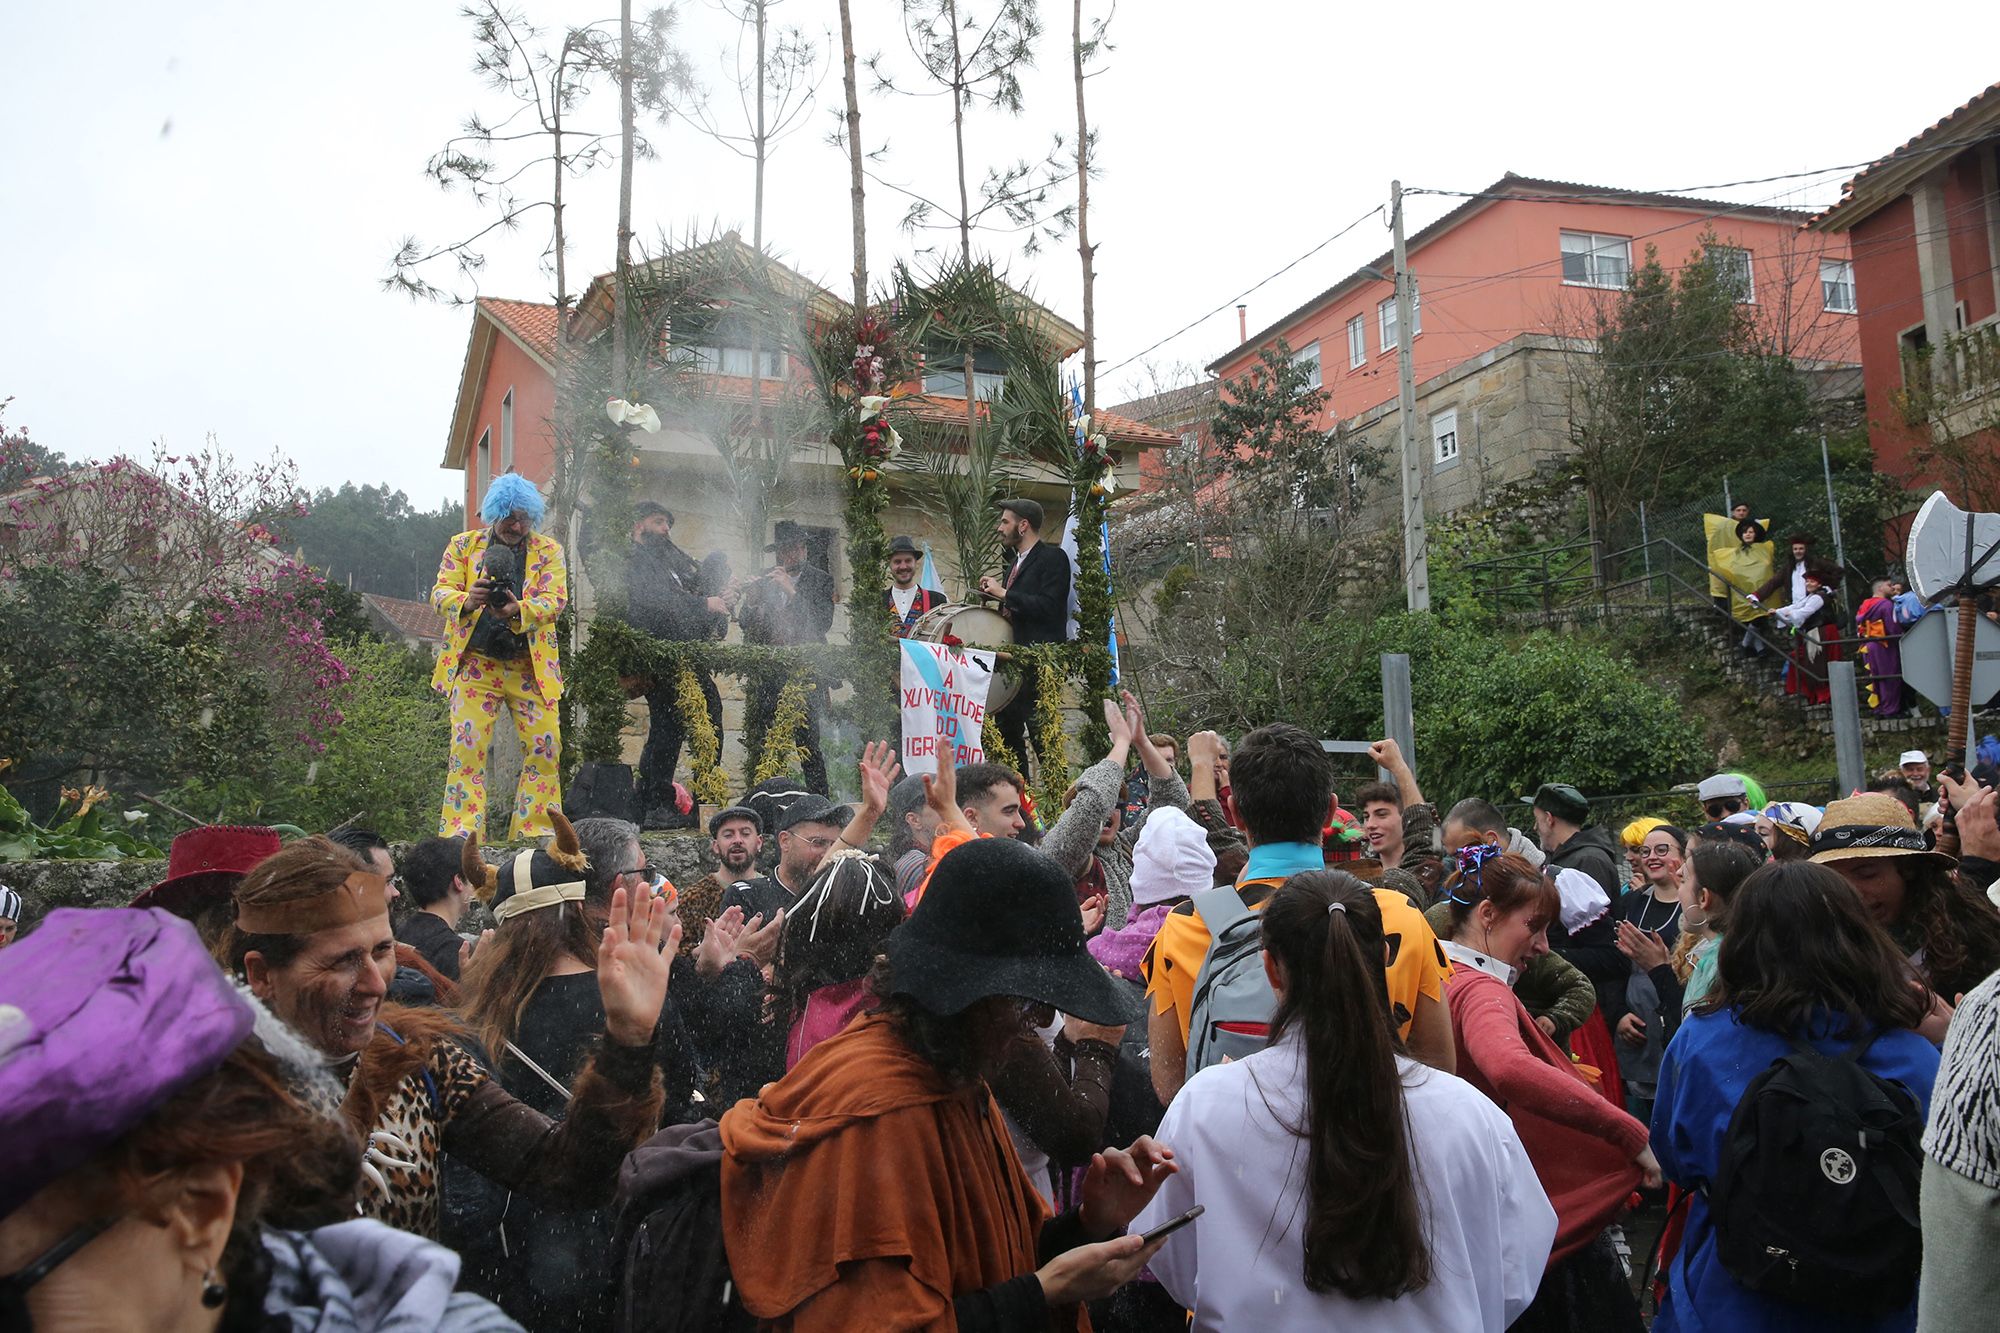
(205, 863)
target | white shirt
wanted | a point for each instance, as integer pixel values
(1241, 1265)
(1801, 610)
(903, 598)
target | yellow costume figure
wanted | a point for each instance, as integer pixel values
(1741, 567)
(527, 685)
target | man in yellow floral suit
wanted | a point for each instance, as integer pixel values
(500, 589)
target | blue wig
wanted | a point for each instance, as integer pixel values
(509, 493)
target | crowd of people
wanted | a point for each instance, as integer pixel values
(1201, 1050)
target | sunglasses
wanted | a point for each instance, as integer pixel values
(1728, 805)
(14, 1287)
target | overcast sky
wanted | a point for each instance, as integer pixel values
(201, 198)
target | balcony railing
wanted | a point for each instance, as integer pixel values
(1954, 388)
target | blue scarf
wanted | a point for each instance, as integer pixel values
(1281, 860)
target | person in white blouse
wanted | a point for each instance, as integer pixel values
(1343, 1185)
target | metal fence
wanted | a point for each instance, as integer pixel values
(1656, 574)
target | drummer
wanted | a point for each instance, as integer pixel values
(1033, 592)
(905, 602)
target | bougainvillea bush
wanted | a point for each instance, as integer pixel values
(154, 637)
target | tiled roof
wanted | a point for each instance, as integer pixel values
(415, 620)
(532, 322)
(1854, 206)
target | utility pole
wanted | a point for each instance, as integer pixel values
(1416, 561)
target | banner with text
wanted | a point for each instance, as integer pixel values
(944, 705)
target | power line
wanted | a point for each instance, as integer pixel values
(1244, 293)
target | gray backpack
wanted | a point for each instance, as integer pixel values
(1233, 999)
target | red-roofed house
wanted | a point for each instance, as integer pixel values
(1924, 225)
(415, 624)
(507, 393)
(1505, 283)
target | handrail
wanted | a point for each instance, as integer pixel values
(1546, 588)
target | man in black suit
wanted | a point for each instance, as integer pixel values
(905, 602)
(791, 605)
(667, 596)
(1033, 592)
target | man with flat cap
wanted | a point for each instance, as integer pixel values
(1569, 839)
(667, 596)
(903, 599)
(791, 605)
(1033, 591)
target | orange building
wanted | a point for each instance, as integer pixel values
(1924, 224)
(1506, 283)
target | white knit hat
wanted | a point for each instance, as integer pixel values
(1172, 860)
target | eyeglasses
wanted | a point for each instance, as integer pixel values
(14, 1287)
(1727, 805)
(817, 844)
(644, 868)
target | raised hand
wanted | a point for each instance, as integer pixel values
(760, 938)
(1093, 915)
(941, 795)
(632, 971)
(718, 946)
(1644, 947)
(879, 771)
(1120, 727)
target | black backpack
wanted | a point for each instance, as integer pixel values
(676, 1277)
(1815, 1193)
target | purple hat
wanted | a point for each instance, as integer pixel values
(104, 1015)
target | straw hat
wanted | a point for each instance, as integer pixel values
(1872, 824)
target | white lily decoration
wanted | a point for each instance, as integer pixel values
(1083, 425)
(1109, 481)
(1099, 443)
(641, 415)
(892, 443)
(872, 404)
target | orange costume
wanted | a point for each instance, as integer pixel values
(865, 1191)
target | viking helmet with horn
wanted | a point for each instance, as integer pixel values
(533, 879)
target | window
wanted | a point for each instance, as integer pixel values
(1444, 437)
(951, 383)
(1386, 314)
(1308, 356)
(1836, 286)
(1357, 342)
(1596, 261)
(1732, 267)
(507, 431)
(734, 361)
(482, 468)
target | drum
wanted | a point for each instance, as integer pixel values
(974, 627)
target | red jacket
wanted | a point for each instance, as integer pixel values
(1581, 1145)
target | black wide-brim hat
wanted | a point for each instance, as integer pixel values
(1001, 918)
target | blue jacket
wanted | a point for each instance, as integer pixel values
(1708, 1066)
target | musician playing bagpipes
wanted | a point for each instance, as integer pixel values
(791, 605)
(903, 599)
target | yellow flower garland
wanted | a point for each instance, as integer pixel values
(706, 778)
(782, 752)
(1051, 745)
(995, 746)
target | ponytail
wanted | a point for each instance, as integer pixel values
(1364, 1232)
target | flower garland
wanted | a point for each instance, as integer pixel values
(1051, 745)
(704, 747)
(995, 746)
(782, 752)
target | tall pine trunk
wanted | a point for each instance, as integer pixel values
(619, 296)
(964, 216)
(1083, 246)
(854, 161)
